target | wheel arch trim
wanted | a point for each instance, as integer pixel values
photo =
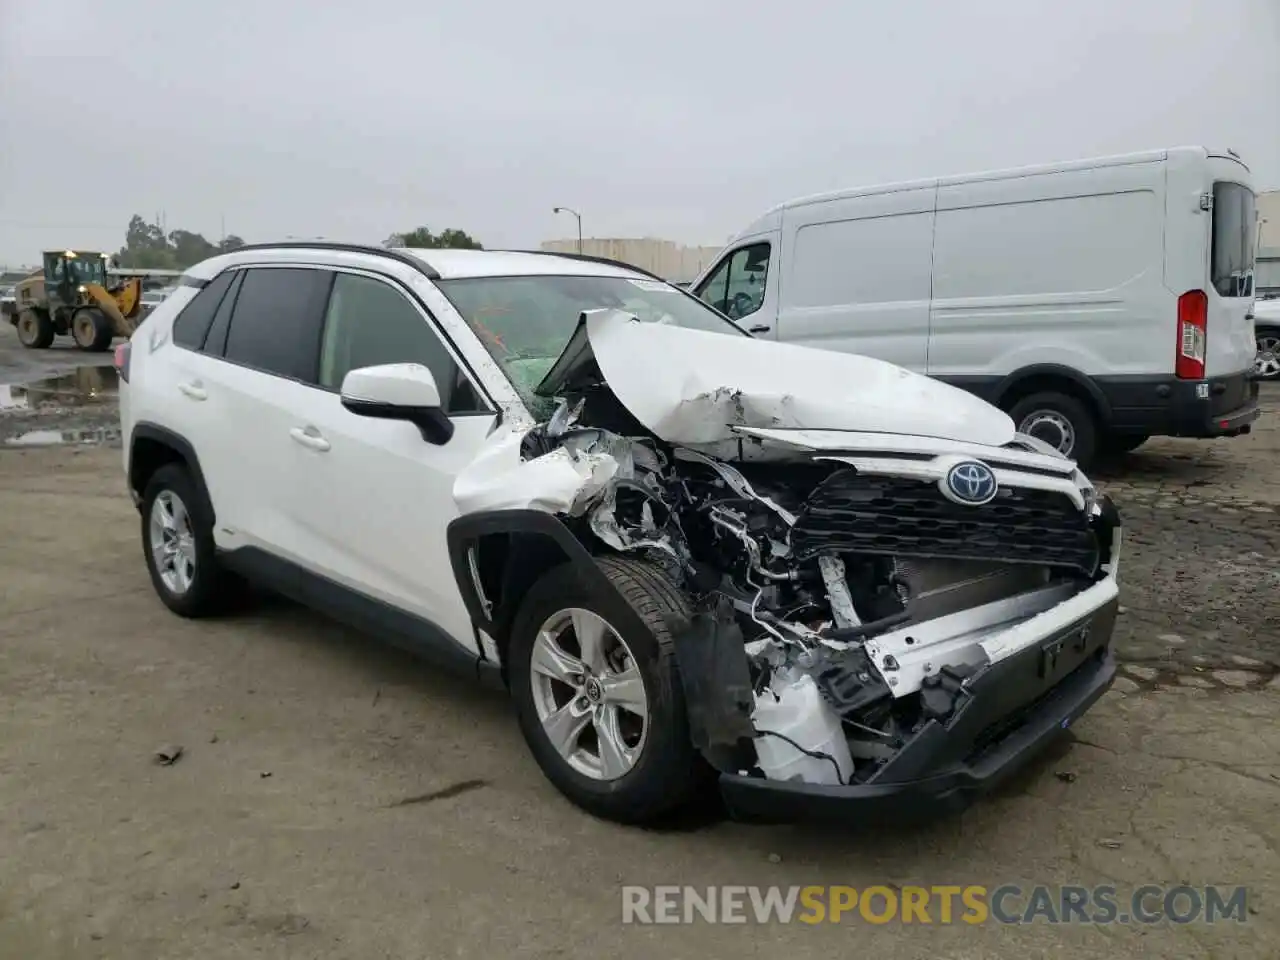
(145, 430)
(1013, 380)
(524, 529)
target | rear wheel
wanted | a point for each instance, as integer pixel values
(1059, 420)
(594, 679)
(92, 330)
(177, 538)
(35, 329)
(1266, 365)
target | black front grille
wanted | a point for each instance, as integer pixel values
(893, 516)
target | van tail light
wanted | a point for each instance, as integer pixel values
(1193, 335)
(122, 361)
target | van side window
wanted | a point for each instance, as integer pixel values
(736, 287)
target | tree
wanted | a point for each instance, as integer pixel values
(146, 247)
(423, 237)
(189, 248)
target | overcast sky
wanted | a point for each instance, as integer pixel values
(681, 119)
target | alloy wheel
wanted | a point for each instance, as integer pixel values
(173, 542)
(589, 694)
(1267, 362)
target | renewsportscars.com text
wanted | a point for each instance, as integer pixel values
(974, 904)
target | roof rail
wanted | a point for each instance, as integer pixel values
(587, 258)
(418, 264)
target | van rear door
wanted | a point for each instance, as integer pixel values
(1230, 345)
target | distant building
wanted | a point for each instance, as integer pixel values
(669, 260)
(10, 275)
(1266, 276)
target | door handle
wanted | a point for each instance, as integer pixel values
(759, 328)
(193, 390)
(309, 438)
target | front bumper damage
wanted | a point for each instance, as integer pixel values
(997, 684)
(1061, 663)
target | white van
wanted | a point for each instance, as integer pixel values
(1100, 302)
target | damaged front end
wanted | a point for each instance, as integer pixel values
(880, 618)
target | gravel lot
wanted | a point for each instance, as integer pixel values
(336, 799)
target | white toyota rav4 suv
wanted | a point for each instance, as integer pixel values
(842, 589)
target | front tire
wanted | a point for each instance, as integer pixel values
(35, 329)
(1059, 420)
(92, 330)
(177, 539)
(598, 695)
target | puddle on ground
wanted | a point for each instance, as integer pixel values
(85, 386)
(54, 438)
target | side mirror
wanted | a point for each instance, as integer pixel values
(398, 391)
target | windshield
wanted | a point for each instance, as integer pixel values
(525, 322)
(87, 269)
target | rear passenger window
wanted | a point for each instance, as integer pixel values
(370, 322)
(192, 324)
(215, 342)
(276, 323)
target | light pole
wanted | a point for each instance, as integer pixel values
(577, 216)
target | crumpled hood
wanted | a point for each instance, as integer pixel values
(693, 387)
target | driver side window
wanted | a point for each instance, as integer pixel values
(736, 288)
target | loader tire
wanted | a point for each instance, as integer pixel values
(92, 330)
(35, 329)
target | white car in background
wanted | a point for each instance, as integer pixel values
(842, 589)
(154, 297)
(1266, 330)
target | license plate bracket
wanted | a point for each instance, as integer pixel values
(1059, 655)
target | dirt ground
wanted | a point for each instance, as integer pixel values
(336, 799)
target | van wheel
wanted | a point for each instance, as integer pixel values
(597, 692)
(1059, 420)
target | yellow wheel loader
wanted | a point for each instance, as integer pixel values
(71, 296)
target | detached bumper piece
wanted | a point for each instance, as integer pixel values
(1000, 718)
